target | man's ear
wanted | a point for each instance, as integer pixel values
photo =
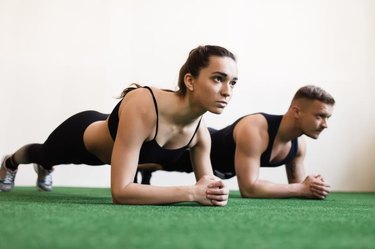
(296, 110)
(189, 82)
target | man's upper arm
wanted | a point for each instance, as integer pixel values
(250, 144)
(295, 168)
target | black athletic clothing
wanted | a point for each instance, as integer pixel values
(65, 144)
(223, 149)
(113, 120)
(151, 151)
(273, 127)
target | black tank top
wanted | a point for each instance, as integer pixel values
(150, 151)
(223, 149)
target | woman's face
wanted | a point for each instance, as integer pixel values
(212, 89)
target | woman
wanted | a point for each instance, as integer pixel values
(150, 127)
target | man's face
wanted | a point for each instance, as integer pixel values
(314, 117)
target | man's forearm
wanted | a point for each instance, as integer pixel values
(265, 189)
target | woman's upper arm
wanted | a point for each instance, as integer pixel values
(200, 153)
(135, 126)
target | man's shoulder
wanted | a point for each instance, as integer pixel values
(256, 121)
(254, 125)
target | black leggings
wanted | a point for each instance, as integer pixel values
(65, 144)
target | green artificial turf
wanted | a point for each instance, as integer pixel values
(85, 218)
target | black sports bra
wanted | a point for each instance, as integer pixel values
(151, 151)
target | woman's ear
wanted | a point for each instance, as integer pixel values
(189, 82)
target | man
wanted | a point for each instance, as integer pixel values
(263, 140)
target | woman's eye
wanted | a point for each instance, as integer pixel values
(233, 83)
(218, 78)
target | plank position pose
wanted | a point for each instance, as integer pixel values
(148, 126)
(264, 140)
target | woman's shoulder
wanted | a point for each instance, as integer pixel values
(139, 99)
(151, 91)
(141, 94)
(150, 99)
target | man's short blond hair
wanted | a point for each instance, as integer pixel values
(312, 92)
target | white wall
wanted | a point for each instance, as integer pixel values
(61, 57)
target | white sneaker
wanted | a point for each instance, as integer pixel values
(44, 181)
(7, 176)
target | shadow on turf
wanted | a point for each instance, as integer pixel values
(68, 199)
(30, 195)
(68, 196)
(51, 197)
(72, 199)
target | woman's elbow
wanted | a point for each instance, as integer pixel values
(118, 196)
(114, 201)
(248, 190)
(247, 194)
(115, 197)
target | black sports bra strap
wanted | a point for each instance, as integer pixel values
(196, 129)
(156, 109)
